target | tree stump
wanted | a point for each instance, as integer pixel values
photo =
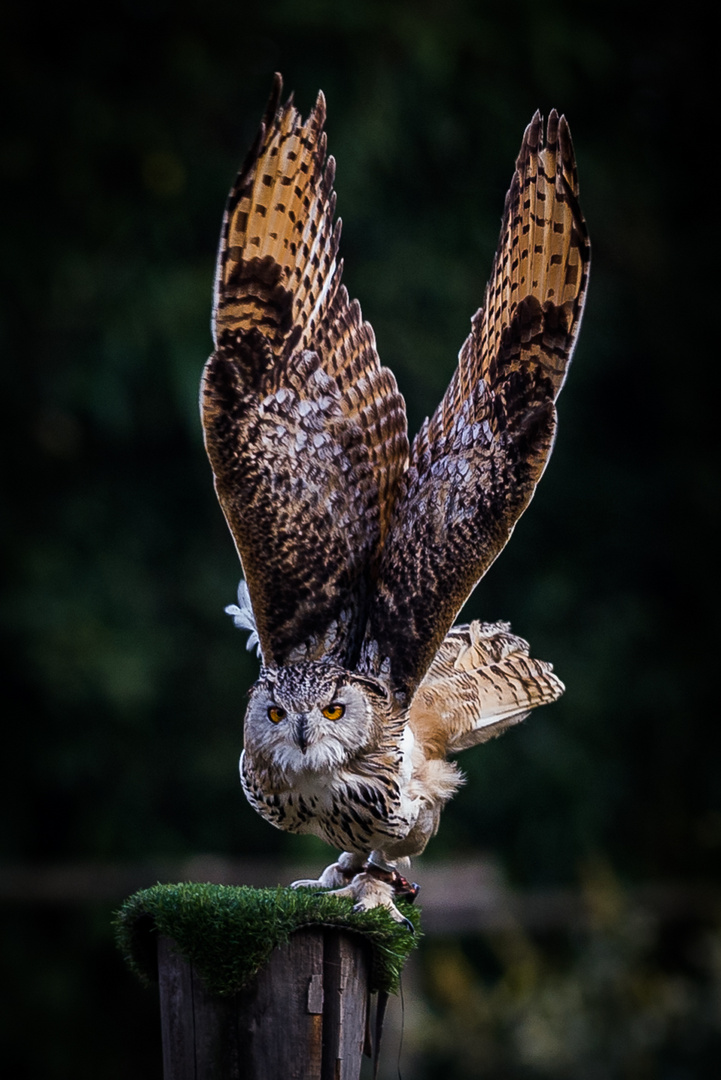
(303, 1017)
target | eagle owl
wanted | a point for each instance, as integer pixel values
(358, 549)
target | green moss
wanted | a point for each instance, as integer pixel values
(228, 932)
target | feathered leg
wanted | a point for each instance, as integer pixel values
(375, 882)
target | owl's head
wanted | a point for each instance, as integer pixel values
(313, 717)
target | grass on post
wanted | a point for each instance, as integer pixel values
(228, 932)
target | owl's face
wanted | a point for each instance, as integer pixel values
(313, 717)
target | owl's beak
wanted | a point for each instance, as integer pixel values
(301, 732)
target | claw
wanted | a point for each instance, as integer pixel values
(392, 911)
(369, 891)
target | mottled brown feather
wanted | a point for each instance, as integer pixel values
(481, 682)
(475, 465)
(305, 431)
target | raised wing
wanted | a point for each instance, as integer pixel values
(475, 465)
(305, 431)
(481, 682)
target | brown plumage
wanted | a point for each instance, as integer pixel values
(357, 552)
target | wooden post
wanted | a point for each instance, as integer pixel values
(304, 1016)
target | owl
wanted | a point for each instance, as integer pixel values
(358, 549)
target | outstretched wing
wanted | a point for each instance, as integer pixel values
(475, 465)
(305, 431)
(481, 682)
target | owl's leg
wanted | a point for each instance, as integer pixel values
(379, 884)
(369, 883)
(402, 887)
(334, 876)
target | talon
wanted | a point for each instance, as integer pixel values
(392, 911)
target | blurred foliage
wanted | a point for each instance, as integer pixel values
(124, 680)
(622, 997)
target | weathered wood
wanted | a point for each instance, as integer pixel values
(345, 1005)
(176, 1004)
(303, 1018)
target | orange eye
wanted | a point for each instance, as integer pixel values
(276, 714)
(334, 711)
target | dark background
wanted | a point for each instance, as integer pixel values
(124, 681)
